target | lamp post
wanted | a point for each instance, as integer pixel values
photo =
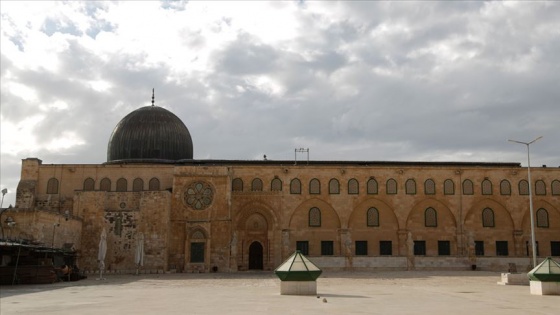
(533, 242)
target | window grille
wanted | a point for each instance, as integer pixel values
(555, 187)
(361, 248)
(502, 248)
(276, 185)
(372, 217)
(505, 187)
(429, 187)
(314, 217)
(479, 248)
(419, 248)
(468, 188)
(121, 184)
(540, 188)
(257, 185)
(448, 187)
(138, 184)
(89, 184)
(488, 217)
(372, 187)
(486, 187)
(410, 187)
(353, 187)
(154, 184)
(391, 187)
(52, 186)
(430, 217)
(327, 248)
(303, 247)
(523, 187)
(334, 186)
(237, 184)
(542, 218)
(295, 186)
(385, 248)
(105, 184)
(314, 186)
(444, 248)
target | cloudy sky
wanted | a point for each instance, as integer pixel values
(405, 81)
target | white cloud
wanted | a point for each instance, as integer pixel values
(350, 80)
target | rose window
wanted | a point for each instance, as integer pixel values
(199, 195)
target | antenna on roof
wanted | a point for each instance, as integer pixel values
(153, 96)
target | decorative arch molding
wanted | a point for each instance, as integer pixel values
(445, 217)
(256, 207)
(387, 216)
(473, 217)
(197, 232)
(329, 216)
(553, 216)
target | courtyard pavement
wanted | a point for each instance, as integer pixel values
(403, 292)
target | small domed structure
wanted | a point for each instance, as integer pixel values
(150, 134)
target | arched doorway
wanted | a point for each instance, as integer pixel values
(256, 256)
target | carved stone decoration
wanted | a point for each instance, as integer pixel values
(198, 195)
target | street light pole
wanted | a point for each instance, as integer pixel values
(533, 242)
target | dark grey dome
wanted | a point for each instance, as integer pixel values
(150, 134)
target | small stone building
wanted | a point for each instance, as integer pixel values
(234, 215)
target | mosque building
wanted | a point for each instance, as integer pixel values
(235, 215)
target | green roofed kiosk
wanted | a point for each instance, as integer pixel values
(545, 278)
(298, 275)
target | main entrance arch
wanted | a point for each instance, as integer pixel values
(255, 256)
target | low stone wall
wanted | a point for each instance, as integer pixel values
(501, 264)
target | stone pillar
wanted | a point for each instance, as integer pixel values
(410, 251)
(346, 248)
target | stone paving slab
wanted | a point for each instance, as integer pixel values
(406, 292)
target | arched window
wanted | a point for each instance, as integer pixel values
(486, 187)
(276, 185)
(430, 217)
(121, 184)
(372, 217)
(488, 217)
(448, 187)
(540, 188)
(391, 187)
(314, 217)
(334, 186)
(410, 187)
(555, 187)
(138, 184)
(372, 186)
(429, 187)
(89, 184)
(523, 187)
(314, 186)
(198, 242)
(505, 187)
(468, 188)
(52, 186)
(153, 184)
(542, 218)
(353, 187)
(237, 184)
(105, 184)
(257, 184)
(295, 186)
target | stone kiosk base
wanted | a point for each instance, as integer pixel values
(545, 288)
(514, 279)
(298, 287)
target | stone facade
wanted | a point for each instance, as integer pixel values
(215, 215)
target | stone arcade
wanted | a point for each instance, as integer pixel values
(232, 215)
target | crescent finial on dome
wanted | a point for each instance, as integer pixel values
(153, 92)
